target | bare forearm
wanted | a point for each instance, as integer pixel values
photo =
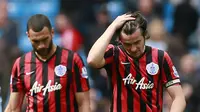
(15, 102)
(97, 51)
(178, 105)
(84, 108)
(7, 108)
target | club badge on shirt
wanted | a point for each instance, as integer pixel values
(152, 68)
(60, 70)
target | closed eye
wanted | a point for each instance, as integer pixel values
(137, 42)
(127, 44)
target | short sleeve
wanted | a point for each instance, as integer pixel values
(109, 54)
(80, 75)
(15, 80)
(170, 75)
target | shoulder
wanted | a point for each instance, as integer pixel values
(17, 60)
(159, 52)
(111, 46)
(70, 54)
(66, 52)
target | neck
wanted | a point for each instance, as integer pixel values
(44, 58)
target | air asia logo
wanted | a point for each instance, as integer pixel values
(139, 84)
(36, 88)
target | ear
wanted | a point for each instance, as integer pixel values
(52, 32)
(28, 35)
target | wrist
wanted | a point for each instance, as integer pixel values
(112, 27)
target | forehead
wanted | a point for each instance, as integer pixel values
(131, 38)
(43, 33)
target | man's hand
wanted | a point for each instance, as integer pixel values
(120, 20)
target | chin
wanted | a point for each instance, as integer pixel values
(42, 53)
(136, 55)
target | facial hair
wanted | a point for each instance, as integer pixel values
(45, 51)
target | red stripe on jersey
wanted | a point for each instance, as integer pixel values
(142, 66)
(124, 106)
(172, 74)
(51, 64)
(14, 75)
(114, 91)
(136, 96)
(72, 99)
(109, 54)
(27, 83)
(40, 97)
(27, 69)
(63, 101)
(155, 79)
(136, 103)
(169, 70)
(114, 97)
(83, 80)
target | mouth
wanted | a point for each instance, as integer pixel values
(135, 55)
(42, 52)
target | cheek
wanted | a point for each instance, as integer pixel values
(142, 44)
(128, 48)
(35, 46)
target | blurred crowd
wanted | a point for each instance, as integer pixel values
(174, 26)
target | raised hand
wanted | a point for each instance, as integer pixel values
(120, 20)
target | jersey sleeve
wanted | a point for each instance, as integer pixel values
(80, 75)
(170, 75)
(15, 80)
(109, 54)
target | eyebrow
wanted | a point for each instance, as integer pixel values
(40, 38)
(125, 42)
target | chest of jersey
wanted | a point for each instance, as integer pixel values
(44, 77)
(140, 74)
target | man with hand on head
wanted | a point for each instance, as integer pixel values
(137, 73)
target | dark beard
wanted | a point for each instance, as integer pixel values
(44, 52)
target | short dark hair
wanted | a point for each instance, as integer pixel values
(130, 27)
(37, 22)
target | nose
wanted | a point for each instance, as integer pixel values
(41, 45)
(133, 48)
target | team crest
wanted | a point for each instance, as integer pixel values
(152, 68)
(84, 73)
(175, 71)
(60, 70)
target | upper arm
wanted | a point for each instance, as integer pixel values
(16, 84)
(81, 83)
(170, 75)
(108, 56)
(80, 75)
(175, 90)
(16, 100)
(16, 87)
(83, 98)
